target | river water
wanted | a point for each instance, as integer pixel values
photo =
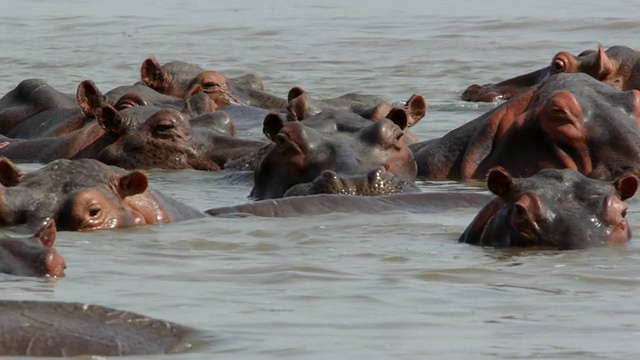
(385, 286)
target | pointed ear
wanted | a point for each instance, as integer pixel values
(10, 175)
(298, 104)
(272, 125)
(154, 76)
(133, 183)
(89, 98)
(604, 65)
(46, 234)
(399, 117)
(110, 120)
(626, 186)
(500, 182)
(416, 108)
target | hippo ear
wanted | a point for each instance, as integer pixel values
(272, 125)
(500, 182)
(10, 175)
(89, 98)
(626, 186)
(134, 183)
(154, 76)
(416, 108)
(298, 104)
(46, 234)
(399, 117)
(110, 120)
(604, 65)
(195, 89)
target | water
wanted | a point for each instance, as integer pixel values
(385, 286)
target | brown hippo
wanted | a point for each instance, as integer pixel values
(569, 121)
(84, 195)
(35, 109)
(557, 208)
(376, 182)
(301, 106)
(618, 66)
(58, 329)
(32, 255)
(301, 153)
(168, 140)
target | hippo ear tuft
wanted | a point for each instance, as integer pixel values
(89, 98)
(500, 182)
(399, 117)
(272, 125)
(416, 108)
(154, 76)
(605, 66)
(10, 175)
(626, 186)
(133, 183)
(46, 234)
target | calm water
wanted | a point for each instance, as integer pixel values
(385, 286)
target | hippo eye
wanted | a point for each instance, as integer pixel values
(125, 104)
(164, 127)
(558, 65)
(280, 139)
(95, 210)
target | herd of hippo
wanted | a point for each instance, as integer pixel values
(561, 154)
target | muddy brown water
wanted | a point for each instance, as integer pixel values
(385, 286)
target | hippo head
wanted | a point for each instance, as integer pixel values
(124, 97)
(557, 208)
(34, 255)
(80, 195)
(301, 153)
(149, 137)
(569, 121)
(376, 182)
(182, 79)
(616, 66)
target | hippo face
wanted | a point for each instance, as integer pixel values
(569, 121)
(557, 208)
(34, 255)
(162, 140)
(301, 153)
(80, 195)
(128, 96)
(181, 79)
(376, 182)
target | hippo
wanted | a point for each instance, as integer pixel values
(193, 104)
(376, 182)
(301, 153)
(619, 66)
(65, 329)
(82, 195)
(301, 106)
(167, 140)
(568, 121)
(559, 208)
(35, 109)
(32, 255)
(318, 204)
(179, 78)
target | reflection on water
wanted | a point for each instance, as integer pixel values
(390, 285)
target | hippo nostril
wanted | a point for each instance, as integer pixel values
(54, 264)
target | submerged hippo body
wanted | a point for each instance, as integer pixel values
(557, 208)
(57, 329)
(301, 153)
(32, 255)
(618, 66)
(35, 109)
(568, 121)
(84, 195)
